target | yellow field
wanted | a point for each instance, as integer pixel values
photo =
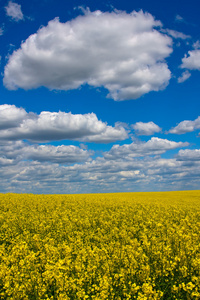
(103, 246)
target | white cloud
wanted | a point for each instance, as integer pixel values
(148, 128)
(14, 11)
(70, 169)
(1, 31)
(192, 61)
(121, 52)
(101, 175)
(184, 76)
(5, 161)
(154, 146)
(178, 18)
(11, 116)
(186, 126)
(13, 152)
(109, 135)
(189, 155)
(16, 124)
(196, 45)
(129, 174)
(57, 154)
(177, 34)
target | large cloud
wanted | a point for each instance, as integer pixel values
(154, 146)
(16, 124)
(186, 126)
(122, 52)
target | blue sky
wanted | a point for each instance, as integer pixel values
(99, 96)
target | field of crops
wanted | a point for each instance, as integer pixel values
(103, 246)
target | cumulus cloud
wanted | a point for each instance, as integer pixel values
(146, 128)
(154, 146)
(100, 174)
(11, 116)
(17, 124)
(184, 76)
(110, 134)
(186, 126)
(14, 11)
(13, 152)
(57, 154)
(192, 61)
(46, 168)
(124, 53)
(5, 161)
(189, 155)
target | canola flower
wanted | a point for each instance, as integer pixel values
(101, 246)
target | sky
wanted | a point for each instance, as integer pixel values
(99, 96)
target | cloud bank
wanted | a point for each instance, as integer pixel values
(27, 166)
(124, 53)
(100, 175)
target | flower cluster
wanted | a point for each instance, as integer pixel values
(100, 246)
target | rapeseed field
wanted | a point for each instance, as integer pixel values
(100, 246)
